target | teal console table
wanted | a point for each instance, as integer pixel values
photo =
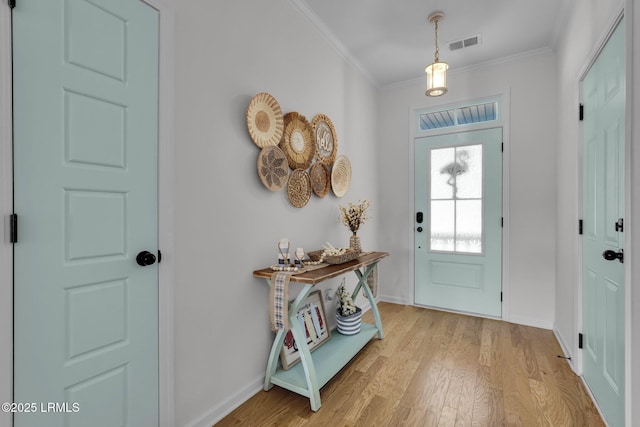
(315, 370)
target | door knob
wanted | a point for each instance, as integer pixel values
(610, 255)
(145, 258)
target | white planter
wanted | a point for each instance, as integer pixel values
(349, 325)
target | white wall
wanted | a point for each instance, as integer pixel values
(531, 211)
(227, 223)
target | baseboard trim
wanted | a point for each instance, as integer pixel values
(395, 300)
(565, 350)
(218, 412)
(530, 321)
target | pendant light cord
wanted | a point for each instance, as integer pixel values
(437, 56)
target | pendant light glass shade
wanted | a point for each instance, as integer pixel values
(436, 72)
(436, 78)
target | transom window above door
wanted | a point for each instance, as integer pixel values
(481, 112)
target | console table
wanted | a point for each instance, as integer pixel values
(315, 370)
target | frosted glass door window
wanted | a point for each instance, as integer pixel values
(456, 199)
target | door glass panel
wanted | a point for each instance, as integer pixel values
(469, 180)
(469, 226)
(456, 199)
(442, 225)
(441, 182)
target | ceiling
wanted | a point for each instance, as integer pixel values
(391, 41)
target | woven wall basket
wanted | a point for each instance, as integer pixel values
(320, 179)
(326, 139)
(297, 141)
(264, 120)
(273, 168)
(341, 176)
(299, 188)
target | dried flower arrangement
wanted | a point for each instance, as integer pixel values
(354, 215)
(346, 306)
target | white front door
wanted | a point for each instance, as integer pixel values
(85, 153)
(603, 229)
(458, 222)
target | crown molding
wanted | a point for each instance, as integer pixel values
(302, 7)
(511, 59)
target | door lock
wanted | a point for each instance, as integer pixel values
(610, 255)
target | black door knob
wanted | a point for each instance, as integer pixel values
(610, 255)
(145, 258)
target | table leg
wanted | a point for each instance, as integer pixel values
(362, 283)
(305, 355)
(272, 364)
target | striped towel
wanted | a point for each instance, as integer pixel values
(279, 297)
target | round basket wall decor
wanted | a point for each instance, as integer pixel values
(341, 176)
(299, 188)
(273, 168)
(264, 120)
(297, 141)
(326, 139)
(320, 179)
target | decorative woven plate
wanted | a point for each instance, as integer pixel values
(264, 120)
(297, 141)
(299, 188)
(273, 169)
(341, 176)
(326, 139)
(320, 179)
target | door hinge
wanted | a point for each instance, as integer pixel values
(13, 224)
(502, 222)
(12, 3)
(159, 256)
(580, 227)
(500, 296)
(620, 225)
(581, 113)
(580, 340)
(502, 147)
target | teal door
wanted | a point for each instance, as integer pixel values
(458, 222)
(603, 229)
(85, 147)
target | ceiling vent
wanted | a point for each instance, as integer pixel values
(467, 42)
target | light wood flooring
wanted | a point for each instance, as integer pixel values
(439, 369)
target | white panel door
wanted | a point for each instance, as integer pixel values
(85, 127)
(603, 229)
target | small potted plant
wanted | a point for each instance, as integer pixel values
(348, 316)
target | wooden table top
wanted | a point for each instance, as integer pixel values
(323, 273)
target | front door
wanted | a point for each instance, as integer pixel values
(85, 146)
(603, 229)
(458, 222)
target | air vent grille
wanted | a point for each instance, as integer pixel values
(464, 43)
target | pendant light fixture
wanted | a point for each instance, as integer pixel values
(436, 72)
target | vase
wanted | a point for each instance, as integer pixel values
(354, 243)
(349, 325)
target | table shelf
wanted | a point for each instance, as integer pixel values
(328, 359)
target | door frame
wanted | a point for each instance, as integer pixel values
(577, 361)
(166, 182)
(503, 121)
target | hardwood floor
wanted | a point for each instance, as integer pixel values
(439, 369)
